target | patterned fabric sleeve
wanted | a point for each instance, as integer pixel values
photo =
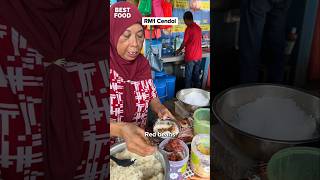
(153, 92)
(21, 87)
(21, 154)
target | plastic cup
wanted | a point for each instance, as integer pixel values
(177, 168)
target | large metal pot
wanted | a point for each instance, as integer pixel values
(226, 104)
(184, 92)
(160, 155)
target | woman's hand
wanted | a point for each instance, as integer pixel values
(160, 109)
(164, 113)
(136, 140)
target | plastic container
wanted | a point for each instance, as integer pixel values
(177, 168)
(200, 155)
(159, 74)
(171, 85)
(295, 163)
(161, 87)
(201, 121)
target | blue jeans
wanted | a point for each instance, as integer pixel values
(262, 22)
(192, 78)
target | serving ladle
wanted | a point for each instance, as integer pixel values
(123, 162)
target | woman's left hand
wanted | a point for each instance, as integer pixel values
(160, 109)
(164, 113)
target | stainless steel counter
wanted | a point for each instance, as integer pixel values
(205, 54)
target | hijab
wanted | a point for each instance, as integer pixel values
(77, 31)
(135, 70)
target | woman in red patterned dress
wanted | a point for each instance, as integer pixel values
(53, 90)
(131, 86)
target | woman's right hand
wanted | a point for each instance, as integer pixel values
(136, 140)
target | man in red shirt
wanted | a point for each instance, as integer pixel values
(193, 51)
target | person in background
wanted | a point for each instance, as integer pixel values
(262, 20)
(53, 90)
(193, 51)
(131, 87)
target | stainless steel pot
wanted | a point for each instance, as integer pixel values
(226, 104)
(189, 107)
(160, 155)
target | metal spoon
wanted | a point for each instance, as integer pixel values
(123, 162)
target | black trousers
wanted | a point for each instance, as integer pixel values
(262, 22)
